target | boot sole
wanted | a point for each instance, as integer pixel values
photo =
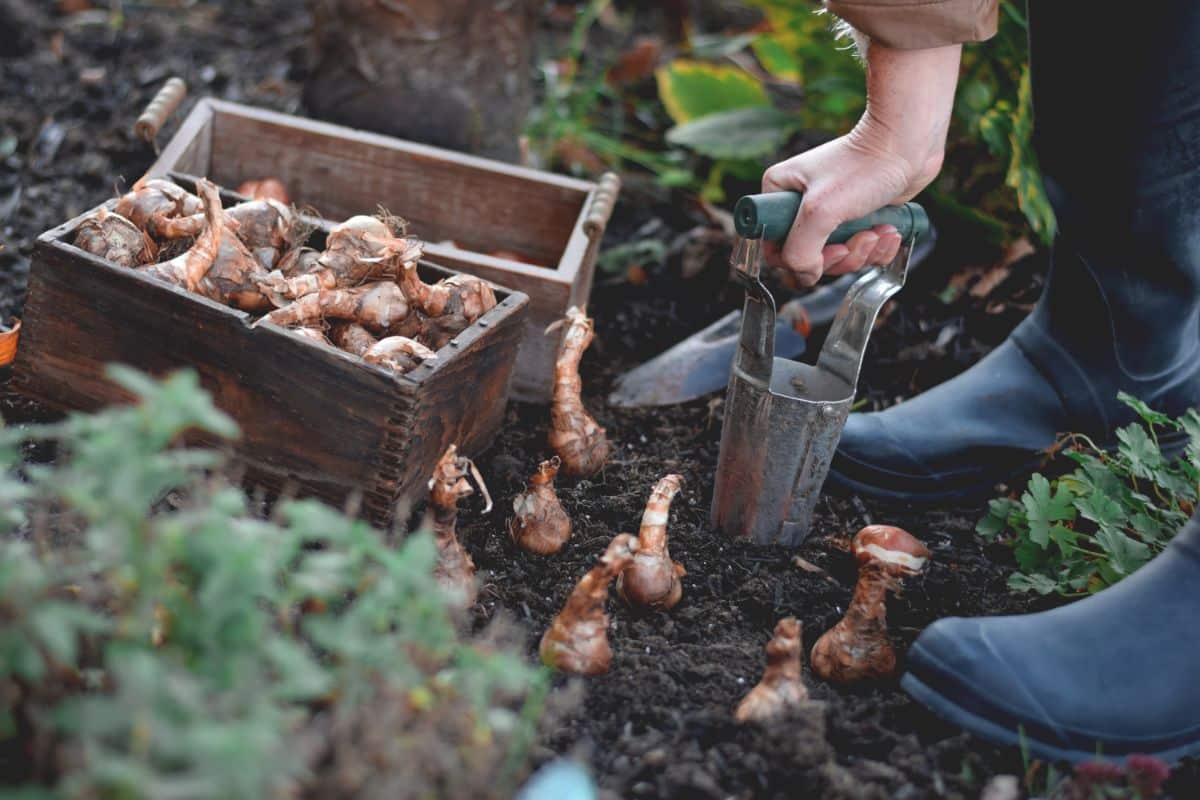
(1171, 445)
(994, 732)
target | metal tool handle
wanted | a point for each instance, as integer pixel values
(771, 216)
(846, 343)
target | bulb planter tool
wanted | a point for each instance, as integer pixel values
(783, 419)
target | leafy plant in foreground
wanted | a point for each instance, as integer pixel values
(160, 640)
(1113, 513)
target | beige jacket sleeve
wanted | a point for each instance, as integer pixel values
(916, 24)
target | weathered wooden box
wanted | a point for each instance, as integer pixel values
(482, 206)
(312, 416)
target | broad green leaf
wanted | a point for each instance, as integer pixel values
(1102, 510)
(737, 134)
(693, 89)
(1024, 174)
(1139, 450)
(1125, 553)
(1045, 505)
(777, 59)
(997, 519)
(1144, 411)
(715, 46)
(1021, 582)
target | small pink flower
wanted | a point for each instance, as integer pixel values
(1098, 774)
(1146, 774)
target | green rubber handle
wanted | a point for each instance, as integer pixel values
(770, 216)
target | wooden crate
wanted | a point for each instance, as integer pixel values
(483, 206)
(312, 416)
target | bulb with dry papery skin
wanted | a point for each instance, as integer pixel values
(398, 353)
(360, 249)
(235, 275)
(652, 580)
(114, 238)
(352, 337)
(315, 334)
(455, 571)
(265, 189)
(265, 227)
(447, 307)
(577, 639)
(378, 307)
(299, 261)
(540, 525)
(188, 269)
(781, 688)
(858, 648)
(154, 201)
(579, 441)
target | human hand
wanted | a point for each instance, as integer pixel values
(893, 152)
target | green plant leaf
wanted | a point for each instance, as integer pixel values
(1148, 415)
(1045, 505)
(738, 134)
(998, 517)
(1102, 510)
(777, 59)
(1125, 553)
(693, 89)
(1041, 584)
(1140, 451)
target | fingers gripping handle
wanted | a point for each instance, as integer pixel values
(770, 216)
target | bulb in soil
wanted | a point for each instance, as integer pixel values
(574, 435)
(454, 571)
(577, 640)
(652, 578)
(858, 647)
(781, 688)
(539, 524)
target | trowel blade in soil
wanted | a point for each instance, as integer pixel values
(697, 366)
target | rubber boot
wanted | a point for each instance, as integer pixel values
(1117, 131)
(1114, 674)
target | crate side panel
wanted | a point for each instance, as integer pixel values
(443, 198)
(463, 401)
(307, 414)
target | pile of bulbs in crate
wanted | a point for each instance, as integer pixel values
(361, 293)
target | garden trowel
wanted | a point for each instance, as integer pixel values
(783, 419)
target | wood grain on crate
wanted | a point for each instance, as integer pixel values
(465, 207)
(311, 415)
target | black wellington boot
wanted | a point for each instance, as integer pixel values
(1119, 141)
(1115, 674)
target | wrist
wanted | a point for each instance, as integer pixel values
(910, 98)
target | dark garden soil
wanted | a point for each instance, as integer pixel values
(659, 724)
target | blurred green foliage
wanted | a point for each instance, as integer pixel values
(729, 100)
(158, 639)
